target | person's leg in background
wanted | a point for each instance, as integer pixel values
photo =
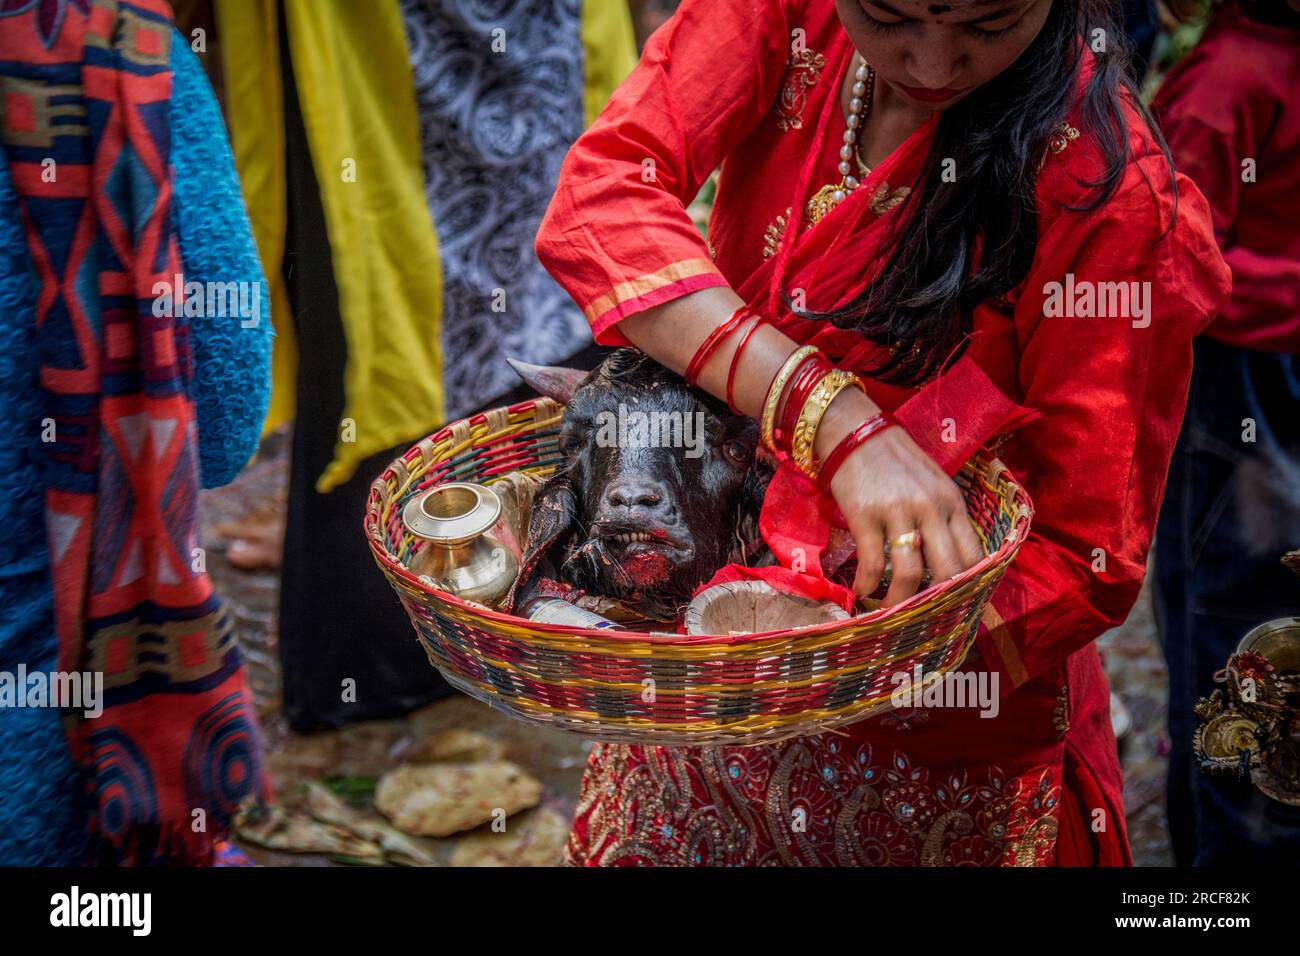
(1231, 510)
(339, 618)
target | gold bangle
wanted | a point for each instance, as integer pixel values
(774, 391)
(810, 416)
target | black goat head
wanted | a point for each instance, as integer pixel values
(660, 487)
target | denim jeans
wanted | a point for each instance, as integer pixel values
(1232, 508)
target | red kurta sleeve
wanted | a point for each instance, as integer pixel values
(1111, 390)
(616, 235)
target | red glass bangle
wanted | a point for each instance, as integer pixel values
(735, 363)
(801, 385)
(780, 434)
(810, 372)
(710, 345)
(849, 443)
(795, 395)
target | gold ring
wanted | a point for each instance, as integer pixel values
(911, 539)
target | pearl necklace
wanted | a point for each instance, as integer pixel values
(831, 195)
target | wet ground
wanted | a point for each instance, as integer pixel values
(353, 757)
(1136, 670)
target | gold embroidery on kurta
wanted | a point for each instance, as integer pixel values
(807, 802)
(1061, 137)
(802, 72)
(1061, 714)
(772, 234)
(1035, 845)
(882, 201)
(886, 199)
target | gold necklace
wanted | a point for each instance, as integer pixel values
(832, 194)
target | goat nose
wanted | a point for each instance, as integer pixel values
(634, 494)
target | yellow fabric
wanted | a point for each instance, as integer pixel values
(358, 104)
(254, 104)
(609, 47)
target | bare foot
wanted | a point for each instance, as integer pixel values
(256, 541)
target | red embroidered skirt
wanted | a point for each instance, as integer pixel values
(920, 787)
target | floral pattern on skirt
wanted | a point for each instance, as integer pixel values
(815, 801)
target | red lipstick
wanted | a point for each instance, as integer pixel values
(930, 96)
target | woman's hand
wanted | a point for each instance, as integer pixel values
(887, 488)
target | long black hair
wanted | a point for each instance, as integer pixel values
(919, 305)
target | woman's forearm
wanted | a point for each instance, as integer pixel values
(888, 490)
(671, 334)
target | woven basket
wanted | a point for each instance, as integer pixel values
(664, 689)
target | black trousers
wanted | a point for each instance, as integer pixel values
(1231, 509)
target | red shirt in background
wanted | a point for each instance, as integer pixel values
(1232, 99)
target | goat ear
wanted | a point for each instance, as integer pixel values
(749, 507)
(553, 381)
(553, 512)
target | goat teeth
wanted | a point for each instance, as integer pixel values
(630, 536)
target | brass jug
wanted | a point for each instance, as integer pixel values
(466, 545)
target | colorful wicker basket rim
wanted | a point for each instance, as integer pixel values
(948, 593)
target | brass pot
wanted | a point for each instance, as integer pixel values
(466, 545)
(1275, 771)
(1278, 642)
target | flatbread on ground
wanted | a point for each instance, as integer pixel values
(444, 798)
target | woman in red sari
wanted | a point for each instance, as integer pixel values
(962, 193)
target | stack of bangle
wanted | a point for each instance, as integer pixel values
(805, 430)
(711, 343)
(807, 375)
(776, 389)
(797, 399)
(735, 363)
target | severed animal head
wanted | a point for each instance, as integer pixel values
(660, 486)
